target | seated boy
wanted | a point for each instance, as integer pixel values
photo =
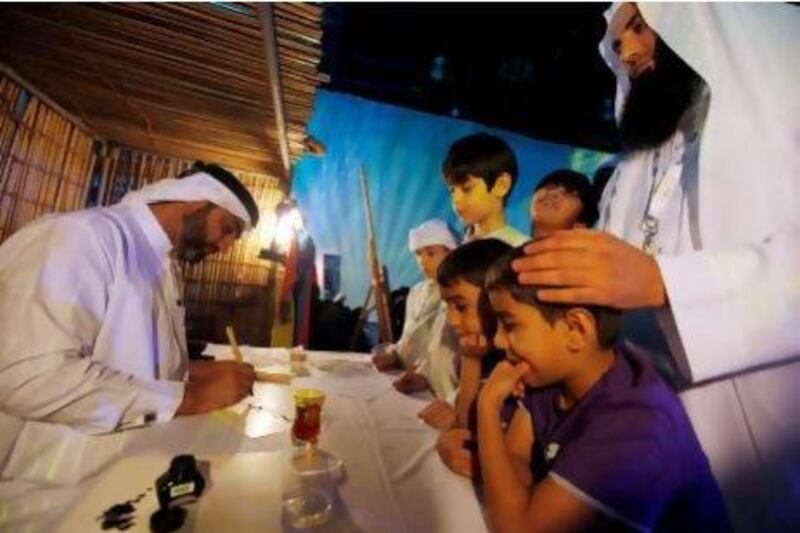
(602, 442)
(424, 329)
(480, 171)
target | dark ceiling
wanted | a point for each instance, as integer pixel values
(529, 68)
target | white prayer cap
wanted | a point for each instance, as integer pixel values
(209, 183)
(432, 232)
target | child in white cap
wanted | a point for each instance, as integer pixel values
(424, 333)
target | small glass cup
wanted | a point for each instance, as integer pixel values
(308, 417)
(308, 495)
(307, 507)
(297, 360)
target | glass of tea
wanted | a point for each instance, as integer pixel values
(313, 474)
(308, 416)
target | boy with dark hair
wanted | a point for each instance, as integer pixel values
(461, 277)
(563, 199)
(481, 170)
(601, 440)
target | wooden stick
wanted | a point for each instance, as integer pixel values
(237, 353)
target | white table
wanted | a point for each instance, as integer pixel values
(394, 479)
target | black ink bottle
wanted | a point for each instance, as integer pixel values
(182, 483)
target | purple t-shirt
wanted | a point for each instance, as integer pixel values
(627, 447)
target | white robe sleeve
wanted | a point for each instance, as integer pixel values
(440, 358)
(55, 284)
(412, 309)
(737, 308)
(421, 309)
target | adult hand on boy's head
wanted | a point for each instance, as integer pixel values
(588, 267)
(505, 380)
(411, 382)
(452, 448)
(438, 414)
(474, 346)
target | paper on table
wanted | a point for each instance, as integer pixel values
(255, 356)
(365, 387)
(344, 367)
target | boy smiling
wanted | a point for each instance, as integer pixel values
(601, 441)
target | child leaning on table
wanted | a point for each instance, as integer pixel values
(600, 442)
(423, 331)
(461, 276)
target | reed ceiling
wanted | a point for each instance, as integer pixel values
(184, 80)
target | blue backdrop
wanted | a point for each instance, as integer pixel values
(402, 151)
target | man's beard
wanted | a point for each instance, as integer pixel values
(657, 100)
(193, 247)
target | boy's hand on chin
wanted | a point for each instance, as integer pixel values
(505, 380)
(452, 448)
(474, 346)
(438, 414)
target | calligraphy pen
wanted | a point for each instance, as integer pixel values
(237, 353)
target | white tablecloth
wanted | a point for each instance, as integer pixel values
(394, 480)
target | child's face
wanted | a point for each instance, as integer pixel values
(461, 299)
(429, 258)
(525, 335)
(554, 208)
(473, 202)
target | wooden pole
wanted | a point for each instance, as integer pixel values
(273, 68)
(380, 290)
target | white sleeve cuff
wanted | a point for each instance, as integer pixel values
(156, 401)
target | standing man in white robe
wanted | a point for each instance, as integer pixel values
(92, 322)
(700, 233)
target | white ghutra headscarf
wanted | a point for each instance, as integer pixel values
(747, 54)
(198, 186)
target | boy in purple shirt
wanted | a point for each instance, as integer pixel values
(602, 443)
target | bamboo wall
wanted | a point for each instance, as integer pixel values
(45, 160)
(161, 75)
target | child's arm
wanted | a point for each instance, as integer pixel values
(455, 453)
(519, 442)
(512, 506)
(469, 383)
